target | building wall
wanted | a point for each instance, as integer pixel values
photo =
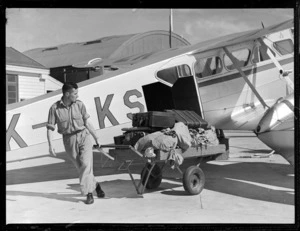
(30, 87)
(32, 82)
(52, 84)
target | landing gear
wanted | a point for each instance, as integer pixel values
(193, 180)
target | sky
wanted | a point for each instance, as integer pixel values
(29, 28)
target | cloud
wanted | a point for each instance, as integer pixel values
(221, 27)
(188, 28)
(48, 27)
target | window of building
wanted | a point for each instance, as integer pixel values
(284, 47)
(243, 55)
(208, 66)
(11, 88)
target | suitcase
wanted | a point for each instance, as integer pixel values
(132, 138)
(153, 119)
(118, 140)
(189, 118)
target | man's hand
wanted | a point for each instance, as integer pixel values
(98, 142)
(52, 151)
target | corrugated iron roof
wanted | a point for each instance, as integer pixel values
(14, 57)
(71, 53)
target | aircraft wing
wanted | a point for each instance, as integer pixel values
(227, 40)
(242, 37)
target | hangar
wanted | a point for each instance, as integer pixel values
(59, 59)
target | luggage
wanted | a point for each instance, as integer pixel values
(118, 140)
(156, 140)
(183, 135)
(154, 119)
(132, 137)
(189, 118)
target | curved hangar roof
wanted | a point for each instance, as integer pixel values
(112, 47)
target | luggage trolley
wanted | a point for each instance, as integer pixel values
(193, 178)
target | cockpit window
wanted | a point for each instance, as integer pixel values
(208, 66)
(284, 47)
(171, 74)
(242, 55)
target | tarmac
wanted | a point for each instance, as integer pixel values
(251, 187)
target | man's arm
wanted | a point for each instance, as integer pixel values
(90, 127)
(50, 128)
(50, 138)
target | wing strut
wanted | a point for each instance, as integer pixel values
(237, 66)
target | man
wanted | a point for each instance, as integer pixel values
(73, 123)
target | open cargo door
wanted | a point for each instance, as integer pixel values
(174, 69)
(177, 87)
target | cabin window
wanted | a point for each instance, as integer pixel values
(11, 88)
(255, 55)
(260, 54)
(208, 66)
(242, 55)
(284, 47)
(171, 74)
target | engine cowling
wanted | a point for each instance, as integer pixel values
(276, 128)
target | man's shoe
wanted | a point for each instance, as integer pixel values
(99, 191)
(89, 198)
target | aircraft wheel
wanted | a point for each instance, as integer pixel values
(155, 177)
(193, 180)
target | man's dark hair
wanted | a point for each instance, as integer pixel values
(69, 86)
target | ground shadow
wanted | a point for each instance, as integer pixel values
(70, 197)
(176, 193)
(259, 181)
(55, 171)
(250, 150)
(267, 151)
(254, 180)
(113, 189)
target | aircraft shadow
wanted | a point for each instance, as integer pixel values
(113, 189)
(56, 196)
(253, 180)
(259, 181)
(249, 150)
(71, 197)
(55, 171)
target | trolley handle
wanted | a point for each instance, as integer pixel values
(95, 146)
(122, 146)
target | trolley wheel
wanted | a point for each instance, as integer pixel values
(193, 180)
(155, 177)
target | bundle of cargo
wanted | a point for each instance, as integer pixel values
(179, 121)
(166, 140)
(201, 136)
(169, 137)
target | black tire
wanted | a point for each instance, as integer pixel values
(193, 180)
(155, 177)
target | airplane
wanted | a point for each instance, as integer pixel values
(241, 81)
